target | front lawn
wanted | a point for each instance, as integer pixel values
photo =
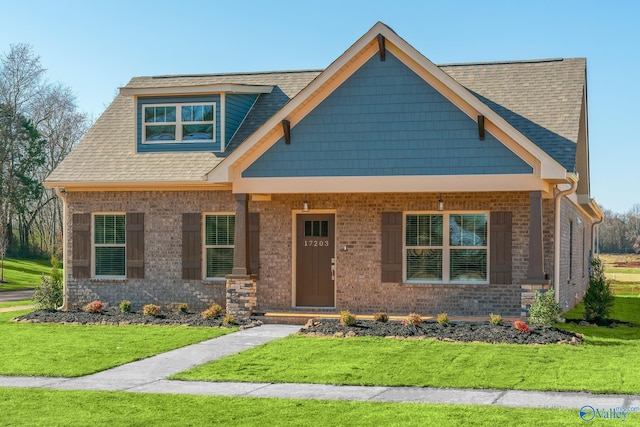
(28, 407)
(606, 363)
(16, 303)
(23, 273)
(74, 350)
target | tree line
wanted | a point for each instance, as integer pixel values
(619, 232)
(39, 124)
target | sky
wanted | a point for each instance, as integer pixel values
(96, 47)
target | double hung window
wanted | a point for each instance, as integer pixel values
(219, 243)
(446, 248)
(109, 241)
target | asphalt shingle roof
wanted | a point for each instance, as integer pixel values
(542, 99)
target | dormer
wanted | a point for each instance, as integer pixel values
(190, 118)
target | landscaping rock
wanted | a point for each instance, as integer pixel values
(455, 331)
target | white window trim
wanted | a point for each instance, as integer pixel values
(178, 123)
(446, 249)
(205, 246)
(95, 245)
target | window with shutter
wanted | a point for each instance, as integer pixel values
(81, 256)
(109, 245)
(219, 243)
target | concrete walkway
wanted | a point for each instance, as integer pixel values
(149, 376)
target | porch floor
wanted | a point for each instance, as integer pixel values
(301, 317)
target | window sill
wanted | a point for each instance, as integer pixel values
(107, 279)
(214, 281)
(442, 284)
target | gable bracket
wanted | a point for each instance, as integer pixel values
(286, 129)
(481, 127)
(381, 47)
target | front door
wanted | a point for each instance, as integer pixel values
(315, 263)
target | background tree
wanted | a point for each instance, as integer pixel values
(40, 126)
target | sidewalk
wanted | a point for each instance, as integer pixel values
(149, 376)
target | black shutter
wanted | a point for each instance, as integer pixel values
(191, 246)
(81, 258)
(392, 247)
(135, 245)
(501, 248)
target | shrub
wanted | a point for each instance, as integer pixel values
(381, 317)
(598, 301)
(151, 310)
(94, 307)
(495, 319)
(413, 319)
(443, 319)
(521, 326)
(211, 312)
(49, 293)
(229, 320)
(183, 307)
(346, 318)
(544, 311)
(125, 306)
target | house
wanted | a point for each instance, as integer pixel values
(383, 182)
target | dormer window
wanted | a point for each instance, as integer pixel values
(179, 123)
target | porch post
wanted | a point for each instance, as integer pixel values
(241, 247)
(535, 272)
(241, 286)
(535, 280)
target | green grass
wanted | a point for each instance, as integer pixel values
(16, 303)
(606, 363)
(23, 273)
(75, 350)
(24, 407)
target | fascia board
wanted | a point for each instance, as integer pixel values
(196, 89)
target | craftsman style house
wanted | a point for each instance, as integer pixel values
(383, 182)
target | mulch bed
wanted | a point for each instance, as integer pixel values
(455, 331)
(115, 317)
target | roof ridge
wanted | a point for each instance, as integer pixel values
(244, 73)
(517, 61)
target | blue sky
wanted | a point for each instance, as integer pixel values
(96, 47)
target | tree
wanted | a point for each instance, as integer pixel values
(598, 301)
(50, 126)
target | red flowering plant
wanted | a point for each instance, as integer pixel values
(521, 326)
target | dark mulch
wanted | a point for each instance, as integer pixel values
(455, 331)
(115, 317)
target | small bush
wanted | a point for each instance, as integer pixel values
(495, 319)
(151, 310)
(521, 326)
(49, 293)
(183, 307)
(211, 312)
(544, 311)
(346, 318)
(598, 301)
(94, 307)
(229, 320)
(443, 319)
(125, 306)
(381, 317)
(413, 319)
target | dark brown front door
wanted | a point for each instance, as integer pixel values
(315, 253)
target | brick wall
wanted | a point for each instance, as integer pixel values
(162, 283)
(358, 255)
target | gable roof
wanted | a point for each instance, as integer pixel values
(537, 102)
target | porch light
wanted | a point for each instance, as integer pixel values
(305, 206)
(440, 203)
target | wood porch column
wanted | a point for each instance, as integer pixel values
(535, 272)
(241, 248)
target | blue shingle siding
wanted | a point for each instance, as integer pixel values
(178, 146)
(384, 121)
(237, 107)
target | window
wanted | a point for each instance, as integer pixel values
(219, 241)
(438, 254)
(109, 241)
(179, 123)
